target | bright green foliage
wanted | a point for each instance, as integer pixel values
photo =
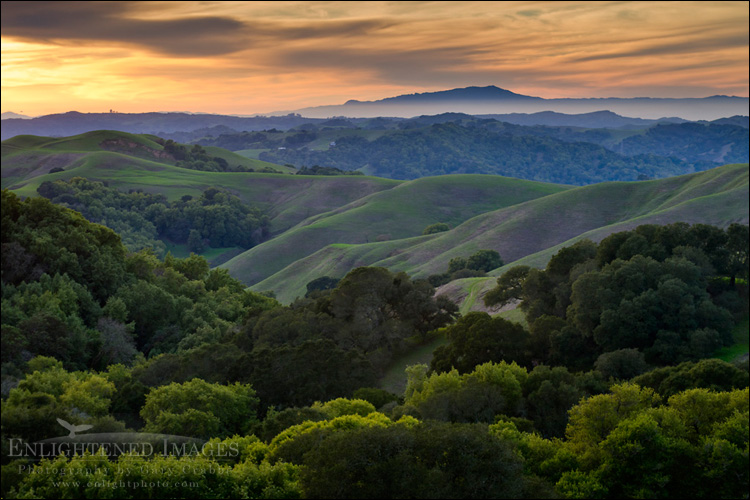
(490, 389)
(593, 419)
(199, 409)
(292, 444)
(193, 476)
(277, 421)
(694, 446)
(50, 392)
(342, 406)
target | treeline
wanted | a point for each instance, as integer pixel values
(449, 148)
(692, 142)
(285, 395)
(196, 158)
(318, 170)
(702, 145)
(144, 220)
(656, 295)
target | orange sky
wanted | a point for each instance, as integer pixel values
(259, 57)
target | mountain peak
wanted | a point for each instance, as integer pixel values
(8, 115)
(489, 93)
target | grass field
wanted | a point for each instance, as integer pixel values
(394, 379)
(741, 345)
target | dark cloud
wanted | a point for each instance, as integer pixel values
(687, 46)
(61, 22)
(109, 21)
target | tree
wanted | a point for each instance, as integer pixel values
(737, 247)
(434, 460)
(484, 260)
(195, 241)
(477, 338)
(456, 264)
(199, 409)
(320, 284)
(438, 227)
(622, 364)
(478, 396)
(509, 287)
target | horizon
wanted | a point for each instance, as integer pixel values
(256, 58)
(355, 101)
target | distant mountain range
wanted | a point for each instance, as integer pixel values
(10, 115)
(186, 127)
(73, 123)
(494, 100)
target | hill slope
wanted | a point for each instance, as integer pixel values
(327, 225)
(402, 212)
(25, 157)
(532, 231)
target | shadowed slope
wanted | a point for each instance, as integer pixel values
(533, 231)
(388, 217)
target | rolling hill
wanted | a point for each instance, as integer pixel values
(328, 225)
(529, 232)
(26, 157)
(388, 217)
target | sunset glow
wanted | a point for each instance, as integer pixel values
(260, 57)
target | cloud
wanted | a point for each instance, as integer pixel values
(58, 22)
(529, 13)
(719, 42)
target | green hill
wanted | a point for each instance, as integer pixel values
(531, 232)
(327, 225)
(388, 217)
(26, 158)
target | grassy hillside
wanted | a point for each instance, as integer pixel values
(25, 158)
(327, 225)
(531, 232)
(388, 218)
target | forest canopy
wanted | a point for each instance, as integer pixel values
(610, 392)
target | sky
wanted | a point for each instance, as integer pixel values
(261, 57)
